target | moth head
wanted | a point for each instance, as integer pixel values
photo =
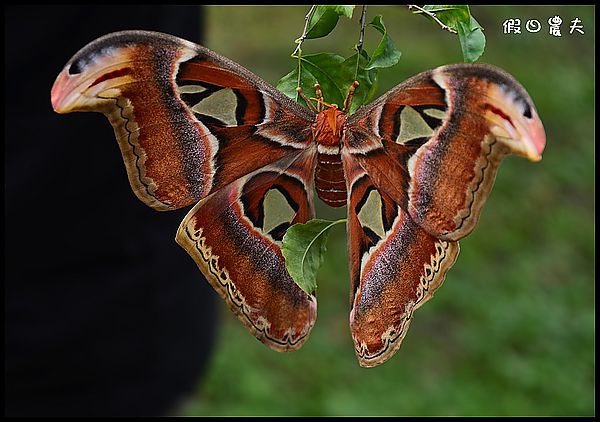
(514, 121)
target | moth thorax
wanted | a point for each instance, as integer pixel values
(327, 130)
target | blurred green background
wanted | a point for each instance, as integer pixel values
(512, 331)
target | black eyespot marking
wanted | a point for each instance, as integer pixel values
(527, 111)
(76, 68)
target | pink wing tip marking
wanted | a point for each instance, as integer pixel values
(538, 135)
(59, 89)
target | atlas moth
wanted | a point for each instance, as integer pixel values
(414, 168)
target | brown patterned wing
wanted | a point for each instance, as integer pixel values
(419, 164)
(434, 142)
(188, 121)
(395, 267)
(234, 235)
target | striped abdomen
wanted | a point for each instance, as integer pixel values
(329, 180)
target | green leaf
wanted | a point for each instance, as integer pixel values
(335, 75)
(314, 68)
(367, 79)
(455, 8)
(344, 10)
(386, 54)
(324, 67)
(472, 40)
(325, 18)
(289, 83)
(304, 247)
(470, 33)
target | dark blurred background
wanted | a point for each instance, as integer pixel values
(510, 333)
(105, 314)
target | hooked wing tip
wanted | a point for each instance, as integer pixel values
(514, 120)
(537, 138)
(57, 95)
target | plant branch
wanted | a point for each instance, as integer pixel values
(432, 16)
(361, 37)
(300, 40)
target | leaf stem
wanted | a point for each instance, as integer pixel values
(432, 16)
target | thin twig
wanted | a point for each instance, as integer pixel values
(432, 16)
(359, 46)
(362, 28)
(298, 51)
(300, 40)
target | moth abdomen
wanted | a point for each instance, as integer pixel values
(330, 181)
